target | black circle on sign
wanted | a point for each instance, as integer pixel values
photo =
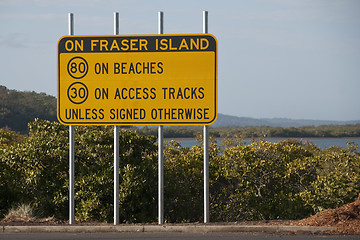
(77, 92)
(77, 67)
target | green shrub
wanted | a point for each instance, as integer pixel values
(8, 137)
(252, 182)
(285, 180)
(9, 190)
(337, 179)
(182, 183)
(37, 171)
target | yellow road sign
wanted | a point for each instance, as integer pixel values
(137, 80)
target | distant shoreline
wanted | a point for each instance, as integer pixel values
(319, 142)
(264, 138)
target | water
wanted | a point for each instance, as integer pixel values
(320, 142)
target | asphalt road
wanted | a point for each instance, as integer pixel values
(173, 236)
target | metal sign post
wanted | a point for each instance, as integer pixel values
(71, 147)
(160, 146)
(206, 147)
(116, 147)
(206, 175)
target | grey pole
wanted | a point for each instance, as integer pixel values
(116, 147)
(71, 146)
(205, 22)
(160, 175)
(206, 147)
(71, 23)
(160, 147)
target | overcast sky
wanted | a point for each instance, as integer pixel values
(296, 59)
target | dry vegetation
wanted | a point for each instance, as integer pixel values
(345, 219)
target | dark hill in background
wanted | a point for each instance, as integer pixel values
(18, 108)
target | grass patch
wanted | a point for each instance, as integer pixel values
(22, 212)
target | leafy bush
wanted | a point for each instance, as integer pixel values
(285, 180)
(8, 192)
(36, 171)
(8, 137)
(337, 178)
(253, 182)
(182, 183)
(94, 184)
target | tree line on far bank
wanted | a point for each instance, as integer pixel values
(324, 131)
(290, 179)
